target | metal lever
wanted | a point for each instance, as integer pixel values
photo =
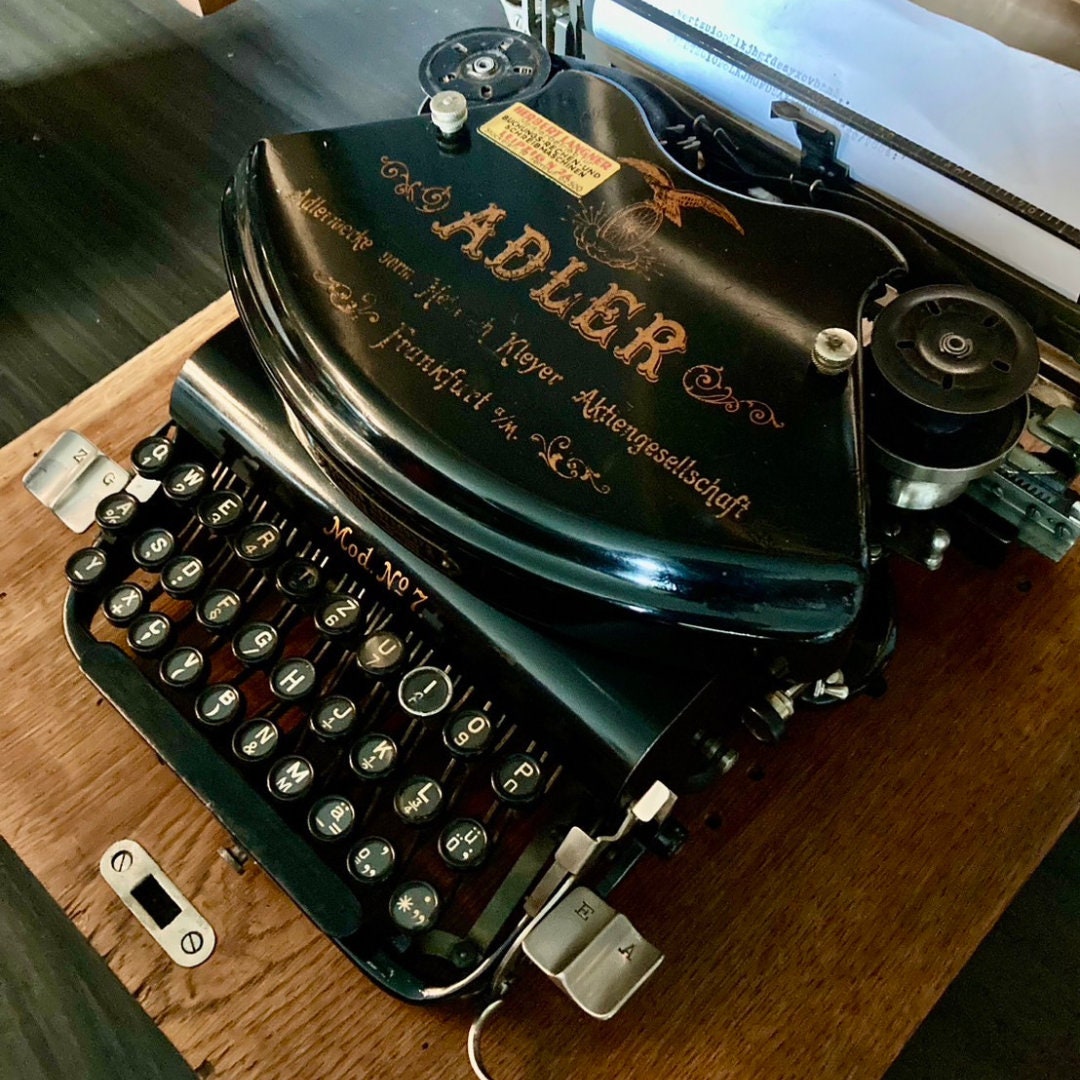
(592, 951)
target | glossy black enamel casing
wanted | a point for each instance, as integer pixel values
(657, 498)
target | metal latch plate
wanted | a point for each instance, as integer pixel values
(157, 903)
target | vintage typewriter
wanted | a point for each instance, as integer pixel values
(572, 424)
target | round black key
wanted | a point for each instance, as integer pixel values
(123, 603)
(338, 615)
(418, 800)
(219, 704)
(218, 610)
(425, 691)
(86, 568)
(380, 653)
(291, 777)
(150, 633)
(256, 740)
(463, 843)
(255, 643)
(374, 756)
(258, 542)
(182, 576)
(185, 482)
(220, 511)
(371, 860)
(152, 456)
(517, 778)
(293, 679)
(333, 716)
(468, 733)
(183, 668)
(116, 511)
(299, 580)
(153, 548)
(331, 817)
(414, 906)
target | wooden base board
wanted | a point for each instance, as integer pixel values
(831, 888)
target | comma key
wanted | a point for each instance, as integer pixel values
(371, 860)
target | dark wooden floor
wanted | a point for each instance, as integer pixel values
(120, 121)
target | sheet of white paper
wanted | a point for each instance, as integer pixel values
(1011, 117)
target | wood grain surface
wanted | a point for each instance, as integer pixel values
(830, 891)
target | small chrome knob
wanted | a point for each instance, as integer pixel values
(834, 351)
(449, 111)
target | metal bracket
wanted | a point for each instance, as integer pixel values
(1034, 497)
(818, 141)
(157, 903)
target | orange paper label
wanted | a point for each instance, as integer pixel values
(574, 165)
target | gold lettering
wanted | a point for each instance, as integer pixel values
(341, 534)
(480, 226)
(660, 337)
(544, 295)
(533, 245)
(599, 321)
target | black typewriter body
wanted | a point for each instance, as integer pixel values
(515, 491)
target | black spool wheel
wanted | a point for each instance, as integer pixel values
(487, 65)
(955, 350)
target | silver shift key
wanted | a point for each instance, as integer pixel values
(72, 477)
(592, 951)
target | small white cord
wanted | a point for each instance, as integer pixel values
(475, 1059)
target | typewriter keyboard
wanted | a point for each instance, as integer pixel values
(369, 739)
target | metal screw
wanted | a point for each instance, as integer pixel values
(483, 65)
(235, 856)
(121, 861)
(191, 942)
(834, 350)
